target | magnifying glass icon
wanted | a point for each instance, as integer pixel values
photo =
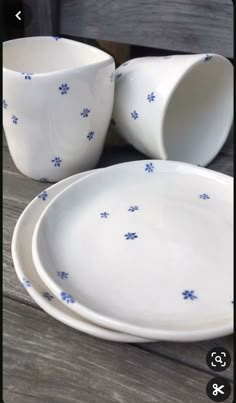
(218, 359)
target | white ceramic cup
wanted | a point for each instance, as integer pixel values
(57, 103)
(175, 107)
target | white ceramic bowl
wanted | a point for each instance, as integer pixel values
(57, 104)
(175, 107)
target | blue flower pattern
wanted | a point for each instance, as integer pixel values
(119, 75)
(189, 295)
(27, 76)
(47, 295)
(43, 195)
(131, 236)
(4, 104)
(63, 275)
(26, 283)
(134, 115)
(104, 215)
(151, 97)
(64, 88)
(208, 58)
(133, 208)
(67, 298)
(14, 119)
(149, 167)
(90, 135)
(204, 196)
(85, 112)
(56, 161)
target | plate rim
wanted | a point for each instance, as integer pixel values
(84, 326)
(115, 324)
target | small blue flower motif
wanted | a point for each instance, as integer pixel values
(149, 167)
(131, 235)
(112, 77)
(189, 295)
(207, 58)
(90, 135)
(26, 283)
(85, 112)
(125, 64)
(112, 122)
(133, 208)
(44, 180)
(27, 76)
(43, 195)
(204, 196)
(63, 275)
(104, 215)
(151, 97)
(67, 298)
(57, 161)
(64, 89)
(48, 296)
(134, 115)
(119, 75)
(56, 38)
(14, 119)
(4, 104)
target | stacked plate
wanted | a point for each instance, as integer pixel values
(139, 251)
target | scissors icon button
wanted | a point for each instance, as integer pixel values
(218, 389)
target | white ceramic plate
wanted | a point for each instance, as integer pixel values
(147, 247)
(28, 276)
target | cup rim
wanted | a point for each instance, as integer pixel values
(196, 62)
(102, 63)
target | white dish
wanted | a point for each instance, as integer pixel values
(28, 276)
(148, 248)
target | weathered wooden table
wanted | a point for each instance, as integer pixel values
(48, 362)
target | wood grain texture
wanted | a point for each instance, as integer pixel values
(45, 17)
(182, 25)
(45, 358)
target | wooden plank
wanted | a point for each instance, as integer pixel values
(19, 187)
(194, 354)
(44, 17)
(45, 358)
(11, 285)
(223, 163)
(182, 25)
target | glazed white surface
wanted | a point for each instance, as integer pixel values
(28, 276)
(177, 107)
(148, 248)
(57, 104)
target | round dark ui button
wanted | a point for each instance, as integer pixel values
(218, 389)
(218, 359)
